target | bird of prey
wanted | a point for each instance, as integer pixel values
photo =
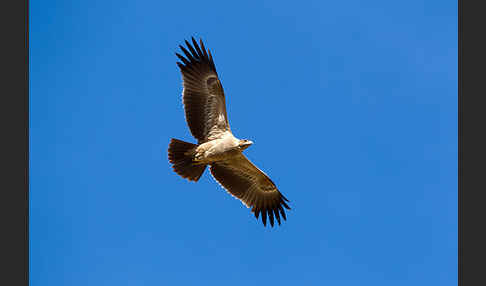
(205, 111)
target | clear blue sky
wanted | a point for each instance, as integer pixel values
(352, 106)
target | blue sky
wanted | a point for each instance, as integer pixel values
(352, 106)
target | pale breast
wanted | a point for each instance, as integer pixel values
(220, 149)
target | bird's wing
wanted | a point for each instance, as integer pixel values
(251, 186)
(203, 94)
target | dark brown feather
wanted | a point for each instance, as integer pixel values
(181, 160)
(239, 176)
(203, 94)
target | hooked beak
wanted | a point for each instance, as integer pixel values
(246, 145)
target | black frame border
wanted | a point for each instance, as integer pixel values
(471, 144)
(14, 151)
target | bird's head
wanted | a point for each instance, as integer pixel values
(244, 144)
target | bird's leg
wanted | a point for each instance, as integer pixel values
(198, 158)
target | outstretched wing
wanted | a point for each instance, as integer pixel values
(252, 187)
(203, 95)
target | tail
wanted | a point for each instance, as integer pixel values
(180, 156)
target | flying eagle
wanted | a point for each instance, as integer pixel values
(205, 109)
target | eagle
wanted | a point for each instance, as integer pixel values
(205, 111)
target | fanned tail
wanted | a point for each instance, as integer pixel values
(181, 156)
